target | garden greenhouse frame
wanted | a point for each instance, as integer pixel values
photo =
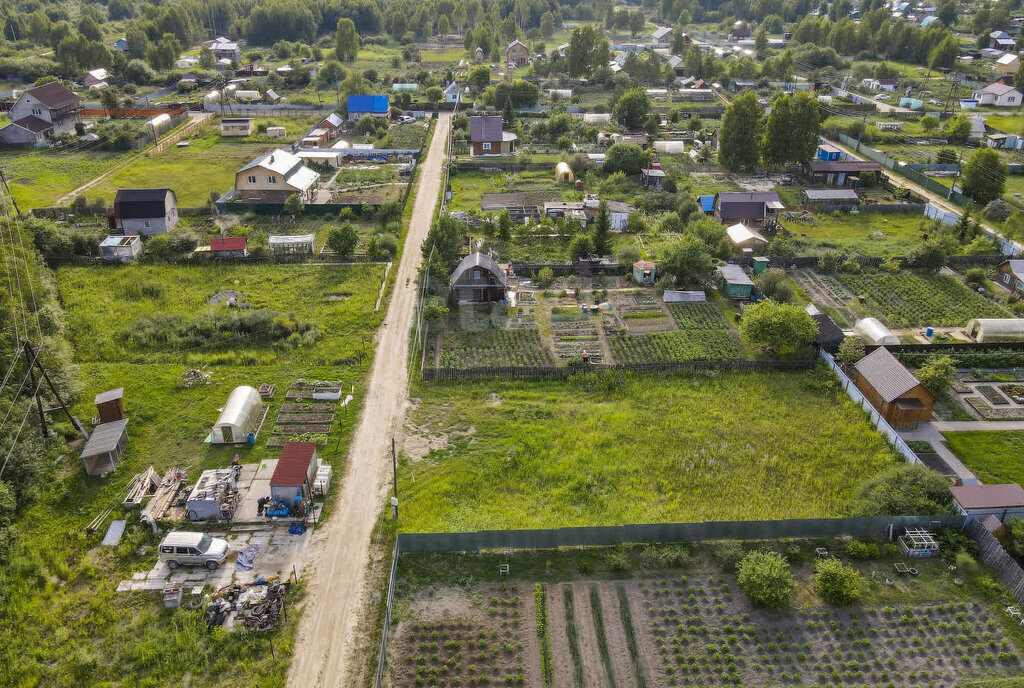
(988, 330)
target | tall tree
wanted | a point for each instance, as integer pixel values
(346, 40)
(791, 130)
(739, 141)
(602, 230)
(632, 107)
(588, 48)
(984, 176)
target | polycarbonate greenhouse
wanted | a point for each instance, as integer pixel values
(996, 329)
(872, 331)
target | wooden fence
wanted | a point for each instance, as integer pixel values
(995, 557)
(560, 372)
(176, 136)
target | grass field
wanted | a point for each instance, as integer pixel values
(39, 178)
(993, 456)
(208, 164)
(75, 630)
(602, 450)
(854, 234)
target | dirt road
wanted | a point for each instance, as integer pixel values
(338, 566)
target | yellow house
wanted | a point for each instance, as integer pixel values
(273, 177)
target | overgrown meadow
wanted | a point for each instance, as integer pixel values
(72, 628)
(620, 448)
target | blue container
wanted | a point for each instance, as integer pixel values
(251, 438)
(930, 331)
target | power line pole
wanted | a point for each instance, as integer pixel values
(394, 469)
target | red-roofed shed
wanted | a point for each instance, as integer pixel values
(295, 472)
(227, 244)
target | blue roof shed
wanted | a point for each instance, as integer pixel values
(707, 204)
(373, 105)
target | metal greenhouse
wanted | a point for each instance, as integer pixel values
(996, 329)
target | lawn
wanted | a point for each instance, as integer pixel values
(602, 450)
(217, 158)
(993, 456)
(39, 177)
(910, 299)
(856, 234)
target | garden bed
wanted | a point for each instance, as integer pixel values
(910, 299)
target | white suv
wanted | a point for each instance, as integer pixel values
(182, 548)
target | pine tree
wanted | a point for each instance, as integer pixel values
(508, 115)
(602, 230)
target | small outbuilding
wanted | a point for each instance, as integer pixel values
(122, 249)
(109, 405)
(873, 332)
(652, 178)
(644, 272)
(829, 335)
(241, 418)
(981, 501)
(103, 451)
(228, 247)
(236, 126)
(563, 173)
(996, 330)
(734, 283)
(892, 389)
(295, 472)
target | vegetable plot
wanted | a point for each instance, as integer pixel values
(463, 349)
(911, 300)
(683, 345)
(698, 316)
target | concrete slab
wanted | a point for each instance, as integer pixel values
(124, 586)
(138, 576)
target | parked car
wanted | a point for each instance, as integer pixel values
(882, 96)
(183, 548)
(407, 119)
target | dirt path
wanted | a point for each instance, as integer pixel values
(338, 563)
(616, 634)
(593, 669)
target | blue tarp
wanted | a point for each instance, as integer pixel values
(246, 558)
(707, 203)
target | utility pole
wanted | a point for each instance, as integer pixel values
(394, 469)
(33, 361)
(3, 178)
(39, 400)
(959, 167)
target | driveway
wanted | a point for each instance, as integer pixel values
(339, 565)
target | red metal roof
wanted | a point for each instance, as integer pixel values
(229, 244)
(293, 464)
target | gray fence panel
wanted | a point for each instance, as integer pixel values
(994, 556)
(602, 536)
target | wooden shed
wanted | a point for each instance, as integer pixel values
(733, 282)
(103, 451)
(479, 279)
(109, 406)
(981, 501)
(892, 389)
(644, 272)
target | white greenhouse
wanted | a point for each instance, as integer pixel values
(559, 93)
(240, 418)
(996, 329)
(292, 243)
(872, 331)
(670, 147)
(597, 118)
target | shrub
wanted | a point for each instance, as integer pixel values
(728, 554)
(617, 560)
(837, 582)
(766, 578)
(975, 277)
(863, 550)
(829, 261)
(997, 210)
(902, 489)
(342, 240)
(545, 277)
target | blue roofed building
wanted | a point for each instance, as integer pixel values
(707, 204)
(375, 106)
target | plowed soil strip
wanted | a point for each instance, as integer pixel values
(593, 670)
(561, 657)
(616, 636)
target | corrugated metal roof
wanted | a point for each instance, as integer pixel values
(53, 95)
(105, 438)
(372, 104)
(104, 397)
(831, 195)
(480, 260)
(228, 244)
(293, 464)
(1008, 495)
(886, 374)
(734, 274)
(140, 204)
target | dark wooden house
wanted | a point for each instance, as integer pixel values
(479, 279)
(892, 389)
